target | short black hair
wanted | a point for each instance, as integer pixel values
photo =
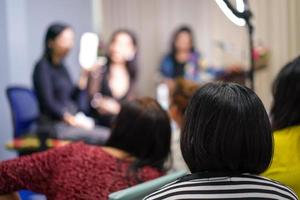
(285, 110)
(227, 129)
(142, 129)
(53, 31)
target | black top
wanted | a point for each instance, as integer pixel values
(105, 90)
(54, 88)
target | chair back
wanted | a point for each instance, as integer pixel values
(139, 191)
(24, 109)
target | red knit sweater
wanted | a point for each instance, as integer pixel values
(75, 171)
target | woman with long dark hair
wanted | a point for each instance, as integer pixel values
(114, 82)
(285, 116)
(59, 98)
(183, 60)
(136, 152)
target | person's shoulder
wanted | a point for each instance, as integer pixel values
(291, 130)
(235, 184)
(195, 55)
(273, 185)
(82, 147)
(167, 58)
(42, 64)
(168, 188)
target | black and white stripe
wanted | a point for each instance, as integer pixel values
(225, 187)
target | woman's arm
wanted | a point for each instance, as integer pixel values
(44, 87)
(33, 172)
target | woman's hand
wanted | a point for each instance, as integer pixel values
(69, 119)
(106, 105)
(72, 121)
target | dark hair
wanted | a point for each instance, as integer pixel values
(53, 31)
(142, 129)
(285, 110)
(227, 130)
(131, 65)
(180, 30)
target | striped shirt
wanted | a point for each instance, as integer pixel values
(201, 186)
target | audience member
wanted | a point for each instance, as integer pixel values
(285, 117)
(226, 142)
(136, 151)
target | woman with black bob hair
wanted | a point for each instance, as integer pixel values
(285, 115)
(136, 152)
(226, 142)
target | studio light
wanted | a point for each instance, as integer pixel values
(226, 10)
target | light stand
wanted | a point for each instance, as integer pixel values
(246, 15)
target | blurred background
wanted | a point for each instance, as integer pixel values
(221, 43)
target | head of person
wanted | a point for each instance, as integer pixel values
(122, 50)
(142, 129)
(59, 40)
(179, 98)
(285, 110)
(226, 130)
(183, 40)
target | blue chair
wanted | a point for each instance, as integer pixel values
(25, 112)
(139, 191)
(24, 109)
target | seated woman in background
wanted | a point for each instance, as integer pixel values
(285, 117)
(59, 99)
(226, 142)
(136, 152)
(183, 60)
(114, 82)
(179, 98)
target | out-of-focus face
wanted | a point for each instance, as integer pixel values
(183, 41)
(63, 43)
(122, 48)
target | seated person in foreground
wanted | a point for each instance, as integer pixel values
(136, 152)
(226, 142)
(59, 99)
(285, 117)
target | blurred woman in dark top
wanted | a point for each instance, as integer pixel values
(59, 99)
(114, 82)
(183, 60)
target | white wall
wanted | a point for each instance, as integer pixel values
(23, 25)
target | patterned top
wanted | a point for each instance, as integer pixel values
(74, 171)
(221, 186)
(170, 68)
